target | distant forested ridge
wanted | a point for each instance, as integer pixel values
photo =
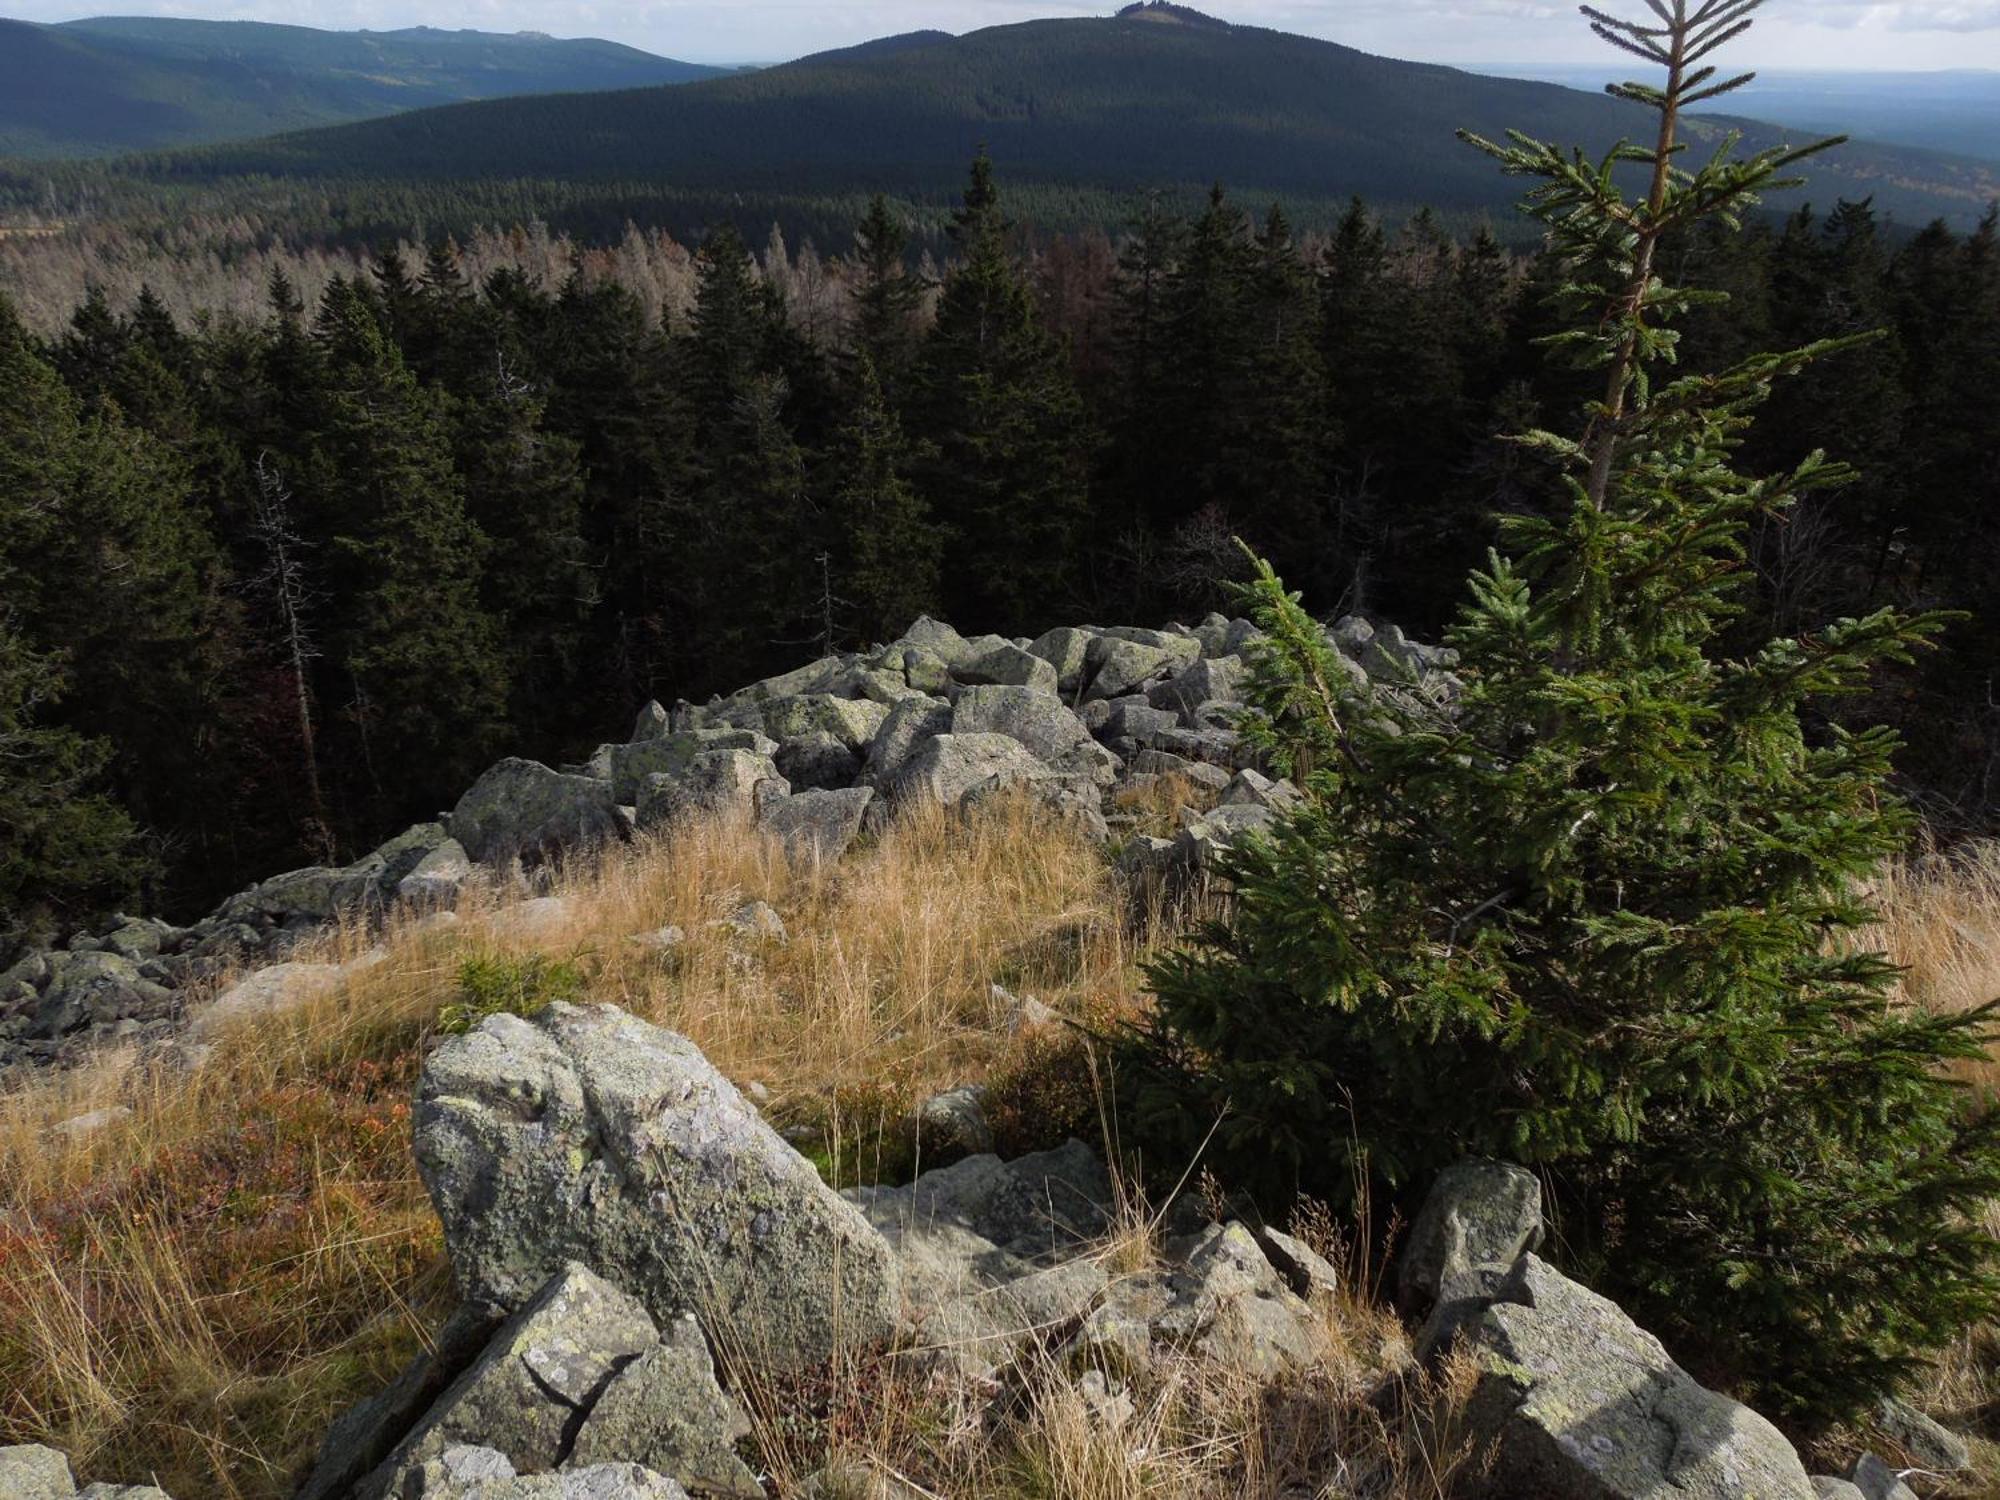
(1082, 112)
(276, 584)
(130, 83)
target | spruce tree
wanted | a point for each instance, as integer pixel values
(1607, 914)
(994, 394)
(886, 543)
(888, 298)
(416, 657)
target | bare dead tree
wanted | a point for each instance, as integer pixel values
(283, 580)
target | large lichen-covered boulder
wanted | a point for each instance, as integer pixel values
(852, 721)
(671, 753)
(521, 808)
(1039, 720)
(1123, 666)
(729, 783)
(909, 724)
(939, 639)
(665, 1411)
(589, 1135)
(1211, 680)
(1577, 1400)
(951, 767)
(524, 1395)
(1009, 665)
(1067, 649)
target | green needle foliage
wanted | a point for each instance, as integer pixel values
(1606, 914)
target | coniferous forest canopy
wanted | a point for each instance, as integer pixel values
(277, 584)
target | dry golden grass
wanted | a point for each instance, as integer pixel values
(1358, 1421)
(194, 1290)
(1941, 921)
(190, 1293)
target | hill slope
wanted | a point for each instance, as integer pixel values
(1114, 104)
(129, 83)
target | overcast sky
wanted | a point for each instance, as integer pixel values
(1802, 33)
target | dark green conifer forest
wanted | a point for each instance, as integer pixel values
(275, 586)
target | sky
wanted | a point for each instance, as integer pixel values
(1518, 34)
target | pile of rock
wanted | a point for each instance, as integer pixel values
(632, 1242)
(817, 755)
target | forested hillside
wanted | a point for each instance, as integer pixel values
(281, 585)
(128, 83)
(1082, 113)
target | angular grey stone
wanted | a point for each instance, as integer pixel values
(817, 761)
(587, 1134)
(987, 1252)
(527, 1393)
(852, 721)
(819, 825)
(1929, 1443)
(715, 783)
(953, 1124)
(439, 877)
(122, 1492)
(1067, 649)
(925, 671)
(1137, 720)
(813, 677)
(666, 1412)
(437, 1481)
(653, 722)
(28, 1471)
(1211, 680)
(1826, 1487)
(1877, 1481)
(948, 768)
(96, 989)
(1121, 666)
(264, 992)
(939, 639)
(522, 809)
(1479, 1215)
(138, 939)
(1310, 1273)
(1578, 1401)
(671, 754)
(908, 725)
(1218, 1296)
(1258, 790)
(363, 1436)
(1009, 665)
(1038, 719)
(757, 919)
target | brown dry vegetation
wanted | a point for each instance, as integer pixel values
(191, 1292)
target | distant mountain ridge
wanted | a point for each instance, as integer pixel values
(1158, 96)
(127, 83)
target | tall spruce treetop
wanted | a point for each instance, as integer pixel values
(994, 391)
(1606, 914)
(888, 299)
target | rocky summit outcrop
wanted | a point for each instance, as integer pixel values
(1573, 1398)
(1076, 717)
(588, 1135)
